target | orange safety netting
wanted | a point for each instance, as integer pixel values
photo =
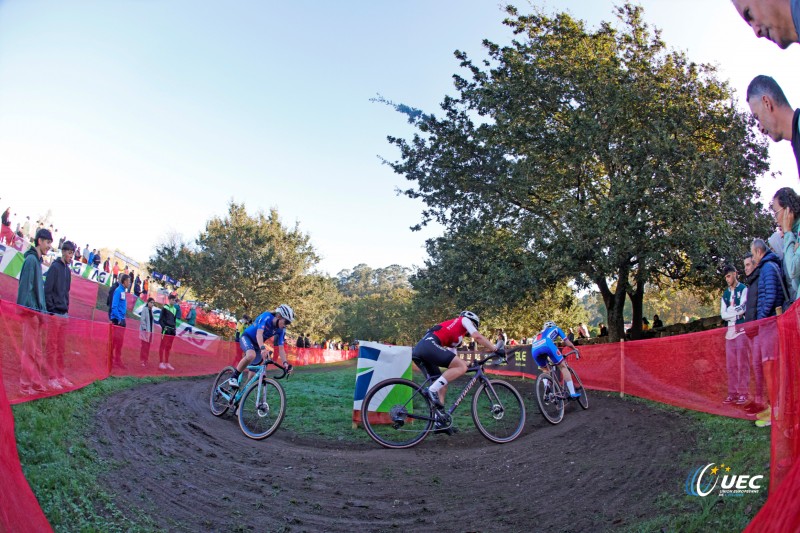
(19, 509)
(43, 355)
(689, 371)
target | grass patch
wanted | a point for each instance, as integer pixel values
(61, 467)
(718, 440)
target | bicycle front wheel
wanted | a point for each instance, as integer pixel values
(218, 403)
(498, 411)
(584, 399)
(396, 414)
(550, 397)
(262, 409)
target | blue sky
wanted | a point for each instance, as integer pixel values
(133, 119)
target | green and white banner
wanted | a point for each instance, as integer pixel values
(377, 362)
(191, 334)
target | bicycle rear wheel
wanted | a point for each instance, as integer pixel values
(218, 403)
(401, 415)
(498, 411)
(584, 399)
(550, 397)
(261, 412)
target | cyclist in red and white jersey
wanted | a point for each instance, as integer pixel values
(438, 349)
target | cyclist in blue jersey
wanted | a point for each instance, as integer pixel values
(253, 338)
(544, 346)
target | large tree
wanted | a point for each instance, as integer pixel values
(603, 157)
(376, 304)
(249, 264)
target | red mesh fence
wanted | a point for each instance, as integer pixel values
(19, 509)
(44, 355)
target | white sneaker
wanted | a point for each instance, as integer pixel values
(162, 366)
(233, 383)
(169, 366)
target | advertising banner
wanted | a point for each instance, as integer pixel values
(11, 261)
(91, 273)
(377, 362)
(191, 334)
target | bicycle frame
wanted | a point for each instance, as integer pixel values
(260, 370)
(556, 373)
(479, 376)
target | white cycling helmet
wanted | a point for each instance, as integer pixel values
(472, 316)
(549, 324)
(285, 312)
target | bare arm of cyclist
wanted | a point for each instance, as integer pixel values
(484, 341)
(282, 353)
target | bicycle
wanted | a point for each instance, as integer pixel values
(261, 402)
(498, 410)
(552, 394)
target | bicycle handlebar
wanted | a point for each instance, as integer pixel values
(286, 371)
(572, 351)
(494, 355)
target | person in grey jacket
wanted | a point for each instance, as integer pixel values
(30, 295)
(146, 331)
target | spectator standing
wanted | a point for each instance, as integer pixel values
(146, 285)
(657, 323)
(56, 296)
(6, 235)
(570, 335)
(774, 115)
(770, 297)
(90, 258)
(604, 329)
(786, 207)
(751, 304)
(30, 294)
(192, 317)
(115, 270)
(119, 310)
(96, 261)
(26, 230)
(132, 275)
(107, 265)
(732, 308)
(137, 286)
(500, 339)
(110, 298)
(168, 323)
(146, 331)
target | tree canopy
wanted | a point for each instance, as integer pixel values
(592, 156)
(251, 264)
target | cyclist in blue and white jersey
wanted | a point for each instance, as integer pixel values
(252, 341)
(544, 347)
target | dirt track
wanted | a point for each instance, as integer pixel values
(190, 471)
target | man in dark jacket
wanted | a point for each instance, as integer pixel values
(56, 295)
(30, 294)
(770, 297)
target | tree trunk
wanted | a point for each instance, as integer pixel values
(615, 303)
(637, 305)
